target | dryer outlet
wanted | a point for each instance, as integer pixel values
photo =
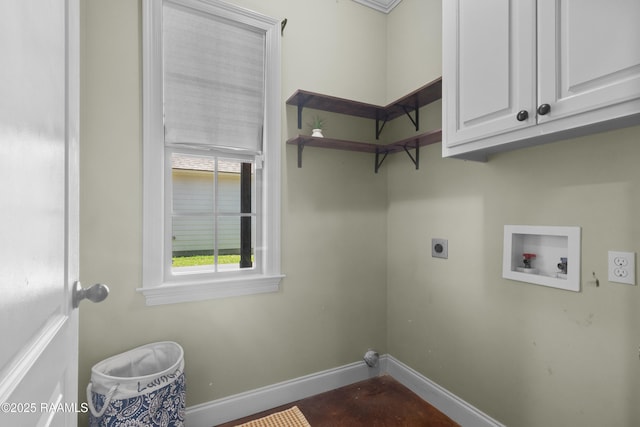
(440, 248)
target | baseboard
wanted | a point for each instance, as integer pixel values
(241, 405)
(445, 401)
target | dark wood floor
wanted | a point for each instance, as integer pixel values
(378, 402)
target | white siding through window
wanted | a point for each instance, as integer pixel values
(193, 192)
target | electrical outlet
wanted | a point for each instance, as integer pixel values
(440, 248)
(622, 267)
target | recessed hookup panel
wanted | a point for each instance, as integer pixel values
(543, 255)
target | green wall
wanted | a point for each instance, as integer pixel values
(356, 245)
(527, 355)
(332, 306)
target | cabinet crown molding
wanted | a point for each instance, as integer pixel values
(384, 6)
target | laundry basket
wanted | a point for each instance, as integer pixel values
(143, 386)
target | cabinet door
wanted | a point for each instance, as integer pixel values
(489, 68)
(589, 54)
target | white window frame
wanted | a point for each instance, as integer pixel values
(159, 284)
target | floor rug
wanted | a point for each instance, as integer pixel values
(292, 417)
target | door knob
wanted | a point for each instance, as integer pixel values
(522, 115)
(95, 293)
(544, 109)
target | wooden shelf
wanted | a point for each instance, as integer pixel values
(421, 140)
(419, 98)
(380, 150)
(408, 105)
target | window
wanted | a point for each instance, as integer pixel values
(211, 151)
(212, 214)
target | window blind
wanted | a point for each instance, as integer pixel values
(213, 81)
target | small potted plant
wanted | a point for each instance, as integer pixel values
(317, 124)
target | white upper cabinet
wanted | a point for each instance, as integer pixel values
(588, 54)
(521, 72)
(489, 67)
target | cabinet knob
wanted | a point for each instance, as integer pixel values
(544, 109)
(522, 115)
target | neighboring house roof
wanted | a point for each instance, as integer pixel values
(203, 164)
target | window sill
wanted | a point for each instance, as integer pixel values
(192, 291)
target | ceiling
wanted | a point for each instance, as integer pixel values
(384, 6)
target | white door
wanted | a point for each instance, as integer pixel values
(39, 96)
(489, 62)
(589, 55)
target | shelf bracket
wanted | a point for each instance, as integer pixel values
(301, 102)
(416, 121)
(416, 159)
(300, 150)
(379, 126)
(380, 160)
